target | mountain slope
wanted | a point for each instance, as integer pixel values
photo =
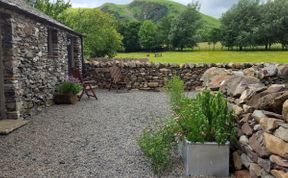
(153, 10)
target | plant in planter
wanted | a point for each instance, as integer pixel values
(66, 92)
(205, 125)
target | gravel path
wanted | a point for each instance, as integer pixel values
(90, 139)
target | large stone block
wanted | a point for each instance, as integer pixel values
(275, 145)
(270, 124)
(257, 144)
(285, 110)
(279, 161)
(279, 174)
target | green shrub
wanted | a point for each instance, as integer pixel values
(175, 89)
(205, 118)
(69, 87)
(157, 144)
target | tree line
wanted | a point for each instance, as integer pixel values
(247, 24)
(250, 23)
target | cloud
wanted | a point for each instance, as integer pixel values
(213, 8)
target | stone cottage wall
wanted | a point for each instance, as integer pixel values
(10, 81)
(32, 75)
(152, 76)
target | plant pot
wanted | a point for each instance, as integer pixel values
(65, 98)
(207, 159)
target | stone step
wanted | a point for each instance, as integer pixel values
(9, 125)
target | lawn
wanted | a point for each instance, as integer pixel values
(205, 54)
(212, 56)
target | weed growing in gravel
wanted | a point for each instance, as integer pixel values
(175, 89)
(157, 144)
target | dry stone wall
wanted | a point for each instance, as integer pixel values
(262, 121)
(152, 76)
(262, 118)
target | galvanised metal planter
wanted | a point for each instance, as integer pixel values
(207, 159)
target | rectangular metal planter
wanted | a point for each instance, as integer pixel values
(207, 159)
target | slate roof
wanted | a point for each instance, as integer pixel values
(22, 7)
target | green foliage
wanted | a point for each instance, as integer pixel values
(53, 9)
(219, 123)
(157, 144)
(129, 31)
(184, 28)
(214, 36)
(163, 31)
(69, 87)
(239, 24)
(274, 23)
(99, 29)
(250, 23)
(175, 89)
(205, 118)
(148, 37)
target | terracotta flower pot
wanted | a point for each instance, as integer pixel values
(65, 98)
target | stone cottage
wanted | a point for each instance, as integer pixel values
(36, 53)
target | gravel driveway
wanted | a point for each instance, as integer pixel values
(89, 139)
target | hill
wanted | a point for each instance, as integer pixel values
(154, 10)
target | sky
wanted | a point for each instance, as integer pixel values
(213, 8)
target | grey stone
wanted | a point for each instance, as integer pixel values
(245, 160)
(282, 133)
(244, 140)
(258, 114)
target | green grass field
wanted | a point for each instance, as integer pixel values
(202, 54)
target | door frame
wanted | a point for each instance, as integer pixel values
(2, 91)
(70, 54)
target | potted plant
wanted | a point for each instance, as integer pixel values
(202, 126)
(66, 92)
(207, 126)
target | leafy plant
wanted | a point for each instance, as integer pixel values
(70, 86)
(175, 89)
(205, 118)
(157, 144)
(209, 119)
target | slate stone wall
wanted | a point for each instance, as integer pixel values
(152, 76)
(31, 75)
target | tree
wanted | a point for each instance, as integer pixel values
(130, 33)
(148, 35)
(98, 28)
(274, 23)
(240, 24)
(183, 32)
(214, 36)
(52, 9)
(163, 31)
